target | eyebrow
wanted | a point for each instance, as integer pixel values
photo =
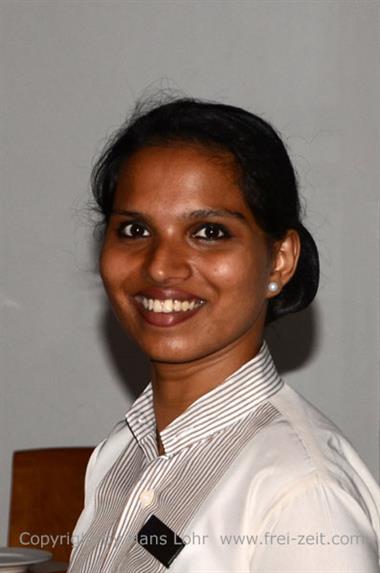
(198, 214)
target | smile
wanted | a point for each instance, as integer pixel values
(168, 305)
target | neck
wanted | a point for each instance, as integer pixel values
(177, 385)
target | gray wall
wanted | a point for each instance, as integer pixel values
(70, 71)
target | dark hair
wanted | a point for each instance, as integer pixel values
(267, 177)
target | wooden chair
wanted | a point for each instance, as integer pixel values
(47, 498)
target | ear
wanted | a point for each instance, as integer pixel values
(286, 253)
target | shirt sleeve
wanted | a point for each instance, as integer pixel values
(319, 528)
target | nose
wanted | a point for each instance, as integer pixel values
(168, 262)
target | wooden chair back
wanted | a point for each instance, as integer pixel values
(47, 498)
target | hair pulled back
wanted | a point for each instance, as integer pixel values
(266, 175)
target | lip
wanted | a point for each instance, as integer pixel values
(162, 294)
(165, 319)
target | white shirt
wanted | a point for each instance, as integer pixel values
(253, 479)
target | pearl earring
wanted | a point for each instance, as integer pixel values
(273, 286)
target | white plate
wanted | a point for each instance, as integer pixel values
(17, 559)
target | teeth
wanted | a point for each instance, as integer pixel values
(168, 305)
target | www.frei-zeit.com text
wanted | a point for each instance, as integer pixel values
(316, 538)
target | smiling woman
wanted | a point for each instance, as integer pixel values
(219, 465)
(182, 240)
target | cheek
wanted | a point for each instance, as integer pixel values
(111, 267)
(239, 275)
(105, 265)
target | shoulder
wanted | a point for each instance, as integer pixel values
(308, 435)
(105, 455)
(302, 462)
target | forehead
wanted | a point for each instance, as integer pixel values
(180, 173)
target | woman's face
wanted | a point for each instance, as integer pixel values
(184, 264)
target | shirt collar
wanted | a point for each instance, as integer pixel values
(253, 383)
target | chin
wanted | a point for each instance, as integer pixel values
(171, 357)
(176, 355)
(181, 355)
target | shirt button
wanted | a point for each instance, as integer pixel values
(146, 497)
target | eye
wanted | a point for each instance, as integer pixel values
(212, 232)
(133, 230)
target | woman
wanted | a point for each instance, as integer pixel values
(218, 466)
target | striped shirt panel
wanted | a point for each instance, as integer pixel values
(181, 479)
